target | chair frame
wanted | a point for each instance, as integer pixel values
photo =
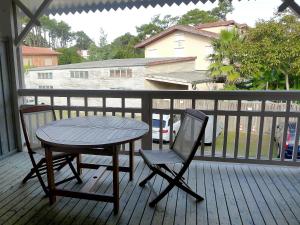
(59, 161)
(176, 178)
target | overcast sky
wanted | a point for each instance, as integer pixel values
(116, 23)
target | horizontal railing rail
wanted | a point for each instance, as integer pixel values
(246, 126)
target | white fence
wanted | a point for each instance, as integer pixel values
(249, 118)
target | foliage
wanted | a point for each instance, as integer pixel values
(197, 16)
(69, 56)
(121, 47)
(271, 51)
(155, 26)
(224, 7)
(224, 59)
(103, 38)
(54, 34)
(83, 41)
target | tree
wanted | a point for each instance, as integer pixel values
(123, 47)
(272, 48)
(69, 56)
(83, 41)
(197, 16)
(224, 59)
(63, 32)
(99, 53)
(224, 7)
(155, 26)
(103, 38)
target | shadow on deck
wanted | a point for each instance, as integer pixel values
(234, 194)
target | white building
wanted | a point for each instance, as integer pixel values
(117, 74)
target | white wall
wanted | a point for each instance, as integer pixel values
(191, 45)
(99, 78)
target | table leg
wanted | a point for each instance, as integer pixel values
(78, 162)
(50, 175)
(115, 164)
(131, 160)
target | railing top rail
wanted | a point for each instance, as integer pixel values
(172, 94)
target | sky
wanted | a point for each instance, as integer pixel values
(117, 23)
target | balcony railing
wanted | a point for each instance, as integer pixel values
(255, 125)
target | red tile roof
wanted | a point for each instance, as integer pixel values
(26, 50)
(220, 24)
(172, 29)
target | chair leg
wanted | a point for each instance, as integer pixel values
(73, 170)
(28, 176)
(161, 195)
(32, 172)
(190, 191)
(142, 183)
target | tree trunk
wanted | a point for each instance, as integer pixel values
(287, 83)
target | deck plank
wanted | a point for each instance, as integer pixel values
(245, 201)
(220, 196)
(233, 209)
(267, 195)
(234, 194)
(191, 204)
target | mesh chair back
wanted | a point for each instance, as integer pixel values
(33, 117)
(190, 134)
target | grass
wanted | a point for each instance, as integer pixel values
(242, 145)
(220, 140)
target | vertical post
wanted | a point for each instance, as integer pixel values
(69, 105)
(225, 137)
(215, 116)
(131, 160)
(115, 159)
(261, 129)
(237, 130)
(50, 174)
(147, 118)
(286, 124)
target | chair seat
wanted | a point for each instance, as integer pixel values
(153, 157)
(41, 151)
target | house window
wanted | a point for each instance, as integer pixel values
(45, 76)
(179, 45)
(120, 73)
(45, 87)
(79, 74)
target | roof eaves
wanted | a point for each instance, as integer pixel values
(172, 29)
(183, 59)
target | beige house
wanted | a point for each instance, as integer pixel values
(187, 41)
(39, 57)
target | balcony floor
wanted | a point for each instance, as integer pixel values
(234, 194)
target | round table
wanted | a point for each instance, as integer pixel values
(96, 135)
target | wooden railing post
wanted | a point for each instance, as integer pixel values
(147, 118)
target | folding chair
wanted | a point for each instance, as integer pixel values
(182, 151)
(33, 117)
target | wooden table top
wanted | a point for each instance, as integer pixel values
(91, 131)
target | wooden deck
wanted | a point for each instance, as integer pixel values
(234, 194)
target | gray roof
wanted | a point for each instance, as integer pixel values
(190, 77)
(114, 63)
(73, 6)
